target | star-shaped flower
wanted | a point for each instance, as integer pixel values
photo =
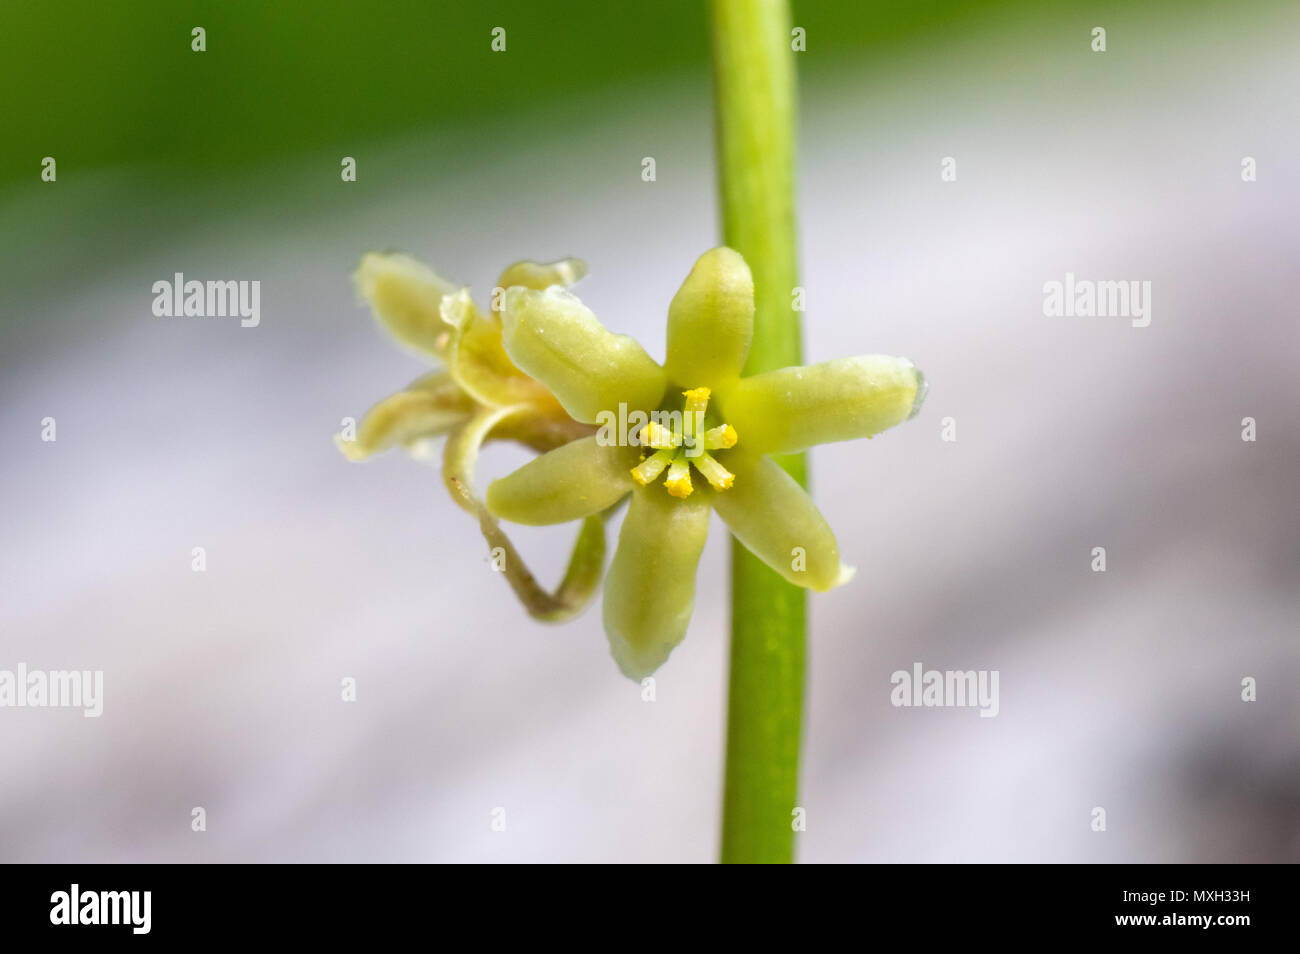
(695, 413)
(478, 396)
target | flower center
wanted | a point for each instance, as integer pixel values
(681, 442)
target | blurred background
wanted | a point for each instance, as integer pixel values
(1119, 690)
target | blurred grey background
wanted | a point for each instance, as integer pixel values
(1118, 690)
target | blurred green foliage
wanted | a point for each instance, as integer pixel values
(151, 137)
(103, 82)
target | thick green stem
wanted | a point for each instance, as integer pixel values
(754, 90)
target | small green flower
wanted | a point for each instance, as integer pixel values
(699, 413)
(478, 396)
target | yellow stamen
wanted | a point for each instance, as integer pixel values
(697, 402)
(685, 444)
(697, 399)
(719, 477)
(649, 469)
(656, 435)
(679, 478)
(720, 437)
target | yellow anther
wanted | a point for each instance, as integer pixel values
(697, 399)
(679, 478)
(685, 444)
(656, 435)
(719, 477)
(697, 402)
(720, 437)
(650, 468)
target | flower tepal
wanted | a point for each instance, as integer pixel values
(704, 418)
(478, 396)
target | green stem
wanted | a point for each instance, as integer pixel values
(754, 91)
